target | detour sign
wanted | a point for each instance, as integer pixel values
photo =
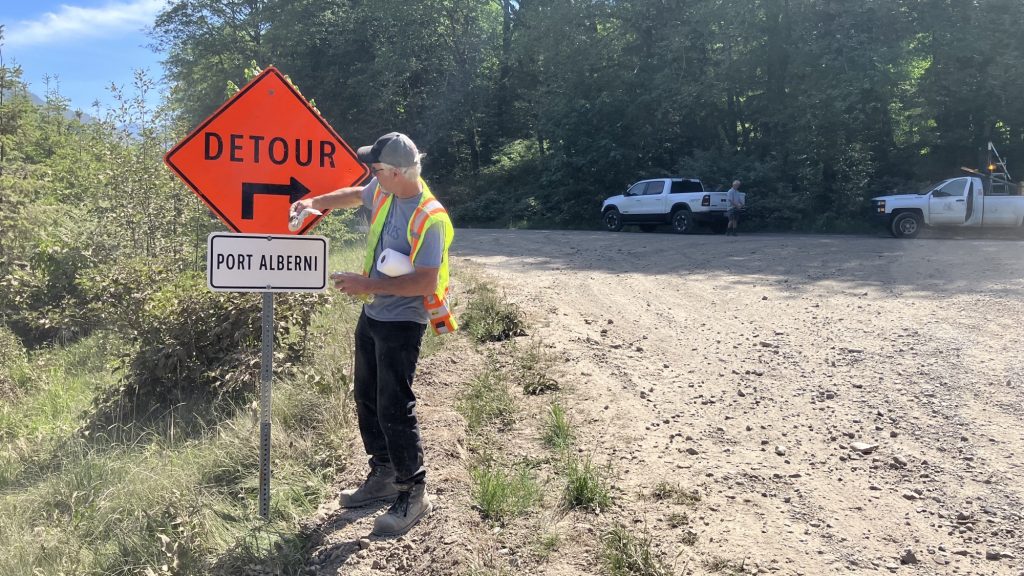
(263, 149)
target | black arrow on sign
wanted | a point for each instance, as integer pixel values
(294, 190)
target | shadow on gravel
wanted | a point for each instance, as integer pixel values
(939, 262)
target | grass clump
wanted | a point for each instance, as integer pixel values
(14, 368)
(678, 519)
(586, 486)
(625, 554)
(547, 543)
(723, 566)
(558, 432)
(532, 368)
(501, 494)
(489, 317)
(666, 491)
(487, 403)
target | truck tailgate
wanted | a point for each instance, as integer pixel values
(719, 200)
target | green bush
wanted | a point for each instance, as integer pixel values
(114, 296)
(38, 297)
(192, 343)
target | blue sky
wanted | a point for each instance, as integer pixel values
(85, 44)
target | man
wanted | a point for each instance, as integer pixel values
(735, 200)
(405, 217)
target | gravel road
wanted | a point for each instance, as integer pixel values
(844, 404)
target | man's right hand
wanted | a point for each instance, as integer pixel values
(298, 206)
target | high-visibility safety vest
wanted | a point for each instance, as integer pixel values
(429, 212)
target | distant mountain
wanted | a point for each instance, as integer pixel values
(70, 114)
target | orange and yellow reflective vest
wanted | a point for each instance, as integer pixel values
(429, 212)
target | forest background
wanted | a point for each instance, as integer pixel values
(532, 112)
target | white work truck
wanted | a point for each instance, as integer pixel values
(975, 200)
(680, 202)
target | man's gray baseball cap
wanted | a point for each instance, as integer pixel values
(394, 148)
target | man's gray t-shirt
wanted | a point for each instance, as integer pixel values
(393, 235)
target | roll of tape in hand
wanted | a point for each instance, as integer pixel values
(393, 263)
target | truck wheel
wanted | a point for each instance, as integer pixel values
(682, 222)
(613, 220)
(648, 227)
(906, 225)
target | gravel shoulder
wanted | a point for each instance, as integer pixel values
(842, 404)
(753, 368)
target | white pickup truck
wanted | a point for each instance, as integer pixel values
(680, 202)
(979, 200)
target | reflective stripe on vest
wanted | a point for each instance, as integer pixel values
(428, 212)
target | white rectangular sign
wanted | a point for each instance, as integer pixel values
(266, 263)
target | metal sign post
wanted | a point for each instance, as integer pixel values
(266, 374)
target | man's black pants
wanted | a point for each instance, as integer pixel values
(386, 355)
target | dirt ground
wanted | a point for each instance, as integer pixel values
(843, 404)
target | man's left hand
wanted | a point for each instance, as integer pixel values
(351, 283)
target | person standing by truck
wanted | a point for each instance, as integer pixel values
(735, 200)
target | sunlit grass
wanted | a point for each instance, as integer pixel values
(78, 503)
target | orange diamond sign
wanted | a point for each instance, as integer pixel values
(263, 149)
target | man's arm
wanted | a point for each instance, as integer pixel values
(421, 282)
(351, 197)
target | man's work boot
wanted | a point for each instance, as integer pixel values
(380, 484)
(411, 505)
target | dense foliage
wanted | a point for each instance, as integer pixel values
(533, 111)
(97, 235)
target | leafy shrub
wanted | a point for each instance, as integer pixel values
(38, 296)
(193, 343)
(115, 296)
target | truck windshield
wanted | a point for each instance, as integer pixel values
(928, 189)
